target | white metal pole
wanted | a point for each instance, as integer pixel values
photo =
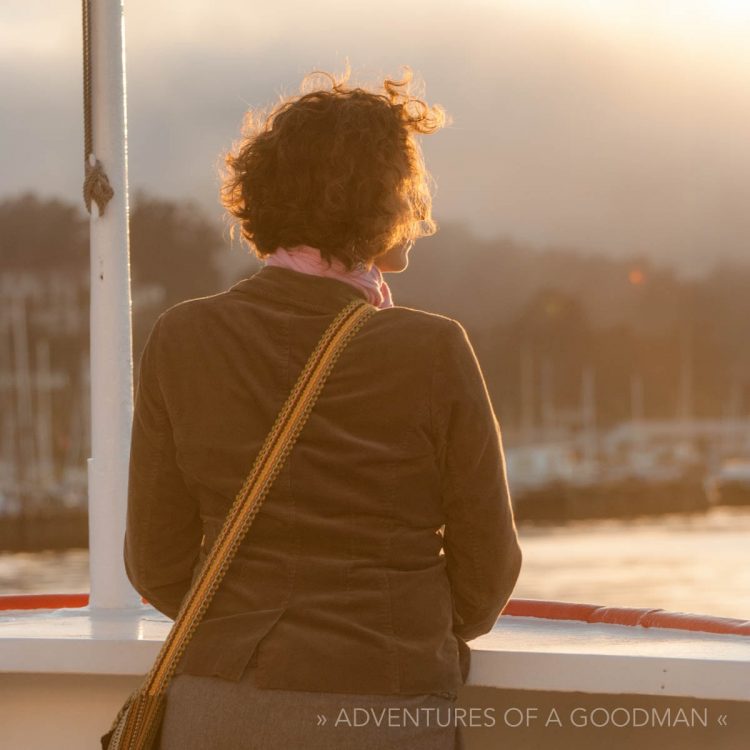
(111, 337)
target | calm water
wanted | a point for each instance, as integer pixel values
(690, 564)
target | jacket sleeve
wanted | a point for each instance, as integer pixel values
(163, 530)
(480, 540)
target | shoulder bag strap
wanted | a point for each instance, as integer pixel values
(268, 463)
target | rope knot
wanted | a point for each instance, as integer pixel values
(96, 186)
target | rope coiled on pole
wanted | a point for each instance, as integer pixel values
(96, 185)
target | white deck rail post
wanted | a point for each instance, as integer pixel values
(111, 337)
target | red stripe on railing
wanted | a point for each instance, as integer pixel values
(550, 610)
(647, 618)
(43, 601)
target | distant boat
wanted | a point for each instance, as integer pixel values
(730, 485)
(628, 473)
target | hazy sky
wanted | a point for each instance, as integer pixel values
(619, 126)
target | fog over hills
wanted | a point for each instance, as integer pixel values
(619, 134)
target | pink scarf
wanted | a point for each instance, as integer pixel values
(307, 259)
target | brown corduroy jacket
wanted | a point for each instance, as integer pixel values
(388, 539)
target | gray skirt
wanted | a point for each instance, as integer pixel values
(210, 713)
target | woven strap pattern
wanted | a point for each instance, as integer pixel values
(266, 467)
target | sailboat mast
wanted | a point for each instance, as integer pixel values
(44, 384)
(111, 362)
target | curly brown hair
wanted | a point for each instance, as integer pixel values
(338, 169)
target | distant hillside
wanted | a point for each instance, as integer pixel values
(540, 320)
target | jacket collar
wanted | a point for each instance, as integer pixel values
(319, 293)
